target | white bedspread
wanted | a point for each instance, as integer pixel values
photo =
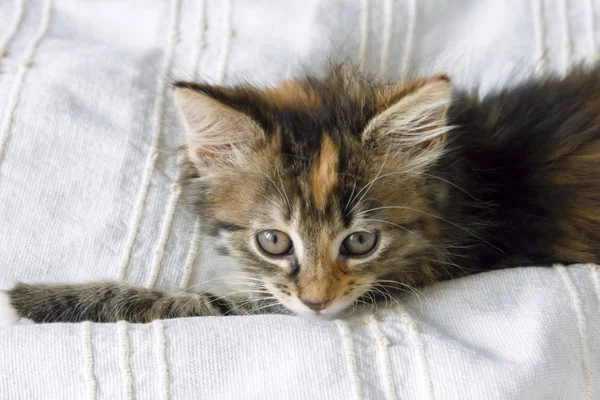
(527, 334)
(87, 171)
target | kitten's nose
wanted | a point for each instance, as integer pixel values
(316, 306)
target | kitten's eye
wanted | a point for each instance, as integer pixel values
(275, 243)
(359, 243)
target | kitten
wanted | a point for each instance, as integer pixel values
(329, 190)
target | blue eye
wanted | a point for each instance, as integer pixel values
(359, 243)
(275, 243)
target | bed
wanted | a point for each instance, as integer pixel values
(88, 190)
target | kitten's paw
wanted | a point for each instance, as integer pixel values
(8, 315)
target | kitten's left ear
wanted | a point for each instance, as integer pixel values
(216, 134)
(415, 125)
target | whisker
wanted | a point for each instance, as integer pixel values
(368, 185)
(226, 280)
(386, 294)
(203, 283)
(426, 241)
(287, 199)
(353, 189)
(271, 201)
(274, 185)
(246, 303)
(400, 286)
(236, 293)
(452, 184)
(436, 217)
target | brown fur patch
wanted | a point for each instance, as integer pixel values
(567, 251)
(586, 154)
(578, 216)
(430, 273)
(323, 176)
(292, 94)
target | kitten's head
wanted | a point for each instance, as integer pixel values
(317, 186)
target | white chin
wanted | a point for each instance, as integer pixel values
(323, 315)
(327, 314)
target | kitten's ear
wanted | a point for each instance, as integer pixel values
(415, 125)
(216, 134)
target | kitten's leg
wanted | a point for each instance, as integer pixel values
(105, 302)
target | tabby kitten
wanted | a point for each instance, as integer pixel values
(327, 190)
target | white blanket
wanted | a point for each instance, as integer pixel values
(87, 171)
(525, 334)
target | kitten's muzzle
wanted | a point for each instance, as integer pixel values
(316, 306)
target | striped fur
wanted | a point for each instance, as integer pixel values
(112, 302)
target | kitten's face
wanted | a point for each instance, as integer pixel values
(318, 187)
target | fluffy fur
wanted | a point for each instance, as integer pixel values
(452, 184)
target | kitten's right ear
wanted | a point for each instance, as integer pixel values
(216, 134)
(415, 125)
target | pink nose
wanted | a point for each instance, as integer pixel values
(316, 306)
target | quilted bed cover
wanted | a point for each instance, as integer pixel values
(88, 172)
